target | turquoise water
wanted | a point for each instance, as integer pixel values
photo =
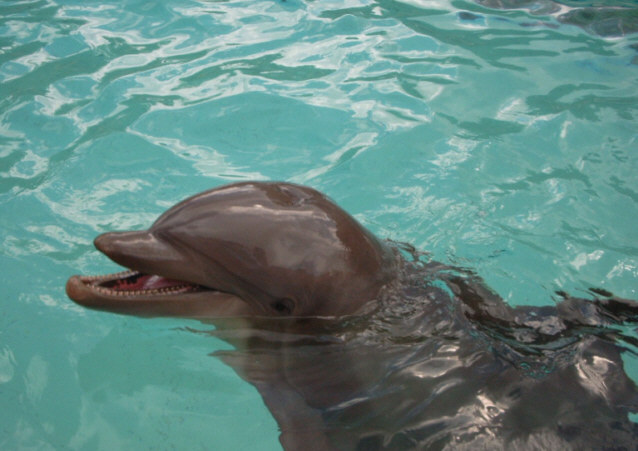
(503, 140)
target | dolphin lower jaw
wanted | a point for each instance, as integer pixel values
(132, 283)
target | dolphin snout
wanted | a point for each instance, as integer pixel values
(119, 245)
(137, 250)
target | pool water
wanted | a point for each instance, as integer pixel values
(499, 136)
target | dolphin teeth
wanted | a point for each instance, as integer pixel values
(109, 285)
(117, 275)
(183, 288)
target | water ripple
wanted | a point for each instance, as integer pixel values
(495, 134)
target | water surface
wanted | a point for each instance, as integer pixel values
(496, 135)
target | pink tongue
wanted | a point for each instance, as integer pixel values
(155, 282)
(146, 282)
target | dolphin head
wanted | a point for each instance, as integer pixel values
(255, 248)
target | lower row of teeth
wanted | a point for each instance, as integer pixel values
(165, 290)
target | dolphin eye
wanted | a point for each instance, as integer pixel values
(283, 306)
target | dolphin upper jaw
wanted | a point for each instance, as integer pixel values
(158, 283)
(147, 253)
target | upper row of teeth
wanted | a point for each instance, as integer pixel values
(117, 275)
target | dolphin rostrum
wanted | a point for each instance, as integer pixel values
(356, 343)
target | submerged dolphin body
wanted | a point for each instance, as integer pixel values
(354, 346)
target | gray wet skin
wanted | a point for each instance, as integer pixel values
(265, 249)
(354, 347)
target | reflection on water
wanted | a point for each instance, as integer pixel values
(429, 370)
(616, 18)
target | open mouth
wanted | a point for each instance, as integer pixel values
(135, 283)
(129, 285)
(147, 295)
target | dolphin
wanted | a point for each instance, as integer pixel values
(226, 252)
(358, 343)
